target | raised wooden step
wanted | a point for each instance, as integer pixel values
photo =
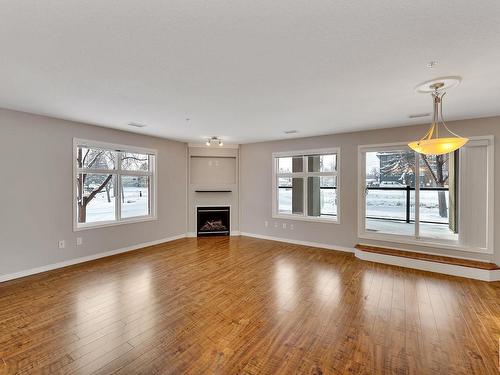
(428, 257)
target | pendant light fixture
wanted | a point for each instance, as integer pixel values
(431, 143)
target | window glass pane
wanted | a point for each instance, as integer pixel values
(135, 162)
(438, 203)
(290, 164)
(290, 196)
(95, 158)
(322, 163)
(135, 196)
(390, 192)
(322, 196)
(95, 197)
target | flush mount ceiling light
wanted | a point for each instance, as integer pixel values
(431, 143)
(214, 141)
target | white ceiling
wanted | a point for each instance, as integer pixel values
(246, 70)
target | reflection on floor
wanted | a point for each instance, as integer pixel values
(238, 305)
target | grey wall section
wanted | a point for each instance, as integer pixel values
(256, 185)
(36, 156)
(224, 177)
(36, 189)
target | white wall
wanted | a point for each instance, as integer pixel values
(256, 185)
(36, 156)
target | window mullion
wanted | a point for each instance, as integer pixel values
(417, 195)
(118, 187)
(305, 170)
(124, 172)
(321, 174)
(95, 171)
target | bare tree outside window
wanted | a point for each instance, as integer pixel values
(437, 166)
(86, 189)
(112, 185)
(435, 173)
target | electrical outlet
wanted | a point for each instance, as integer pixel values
(275, 224)
(62, 244)
(291, 226)
(79, 241)
(284, 225)
(266, 223)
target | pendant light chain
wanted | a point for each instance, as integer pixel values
(442, 118)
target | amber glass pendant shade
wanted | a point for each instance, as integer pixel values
(438, 146)
(428, 145)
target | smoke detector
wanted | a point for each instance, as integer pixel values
(432, 64)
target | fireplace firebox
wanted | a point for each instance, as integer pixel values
(213, 221)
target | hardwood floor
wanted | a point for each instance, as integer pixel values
(246, 306)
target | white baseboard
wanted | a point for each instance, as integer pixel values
(298, 242)
(71, 262)
(495, 275)
(447, 269)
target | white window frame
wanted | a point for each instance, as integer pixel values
(152, 174)
(424, 241)
(304, 174)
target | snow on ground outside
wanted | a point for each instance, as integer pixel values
(328, 202)
(383, 204)
(99, 209)
(432, 231)
(386, 204)
(390, 204)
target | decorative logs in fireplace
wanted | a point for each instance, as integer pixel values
(213, 221)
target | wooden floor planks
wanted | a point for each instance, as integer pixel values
(246, 306)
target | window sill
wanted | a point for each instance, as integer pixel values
(306, 218)
(425, 242)
(105, 224)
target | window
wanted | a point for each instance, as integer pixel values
(113, 184)
(305, 185)
(410, 197)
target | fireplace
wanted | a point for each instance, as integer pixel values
(213, 220)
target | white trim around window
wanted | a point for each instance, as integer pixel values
(458, 245)
(304, 175)
(118, 173)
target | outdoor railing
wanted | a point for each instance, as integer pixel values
(408, 191)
